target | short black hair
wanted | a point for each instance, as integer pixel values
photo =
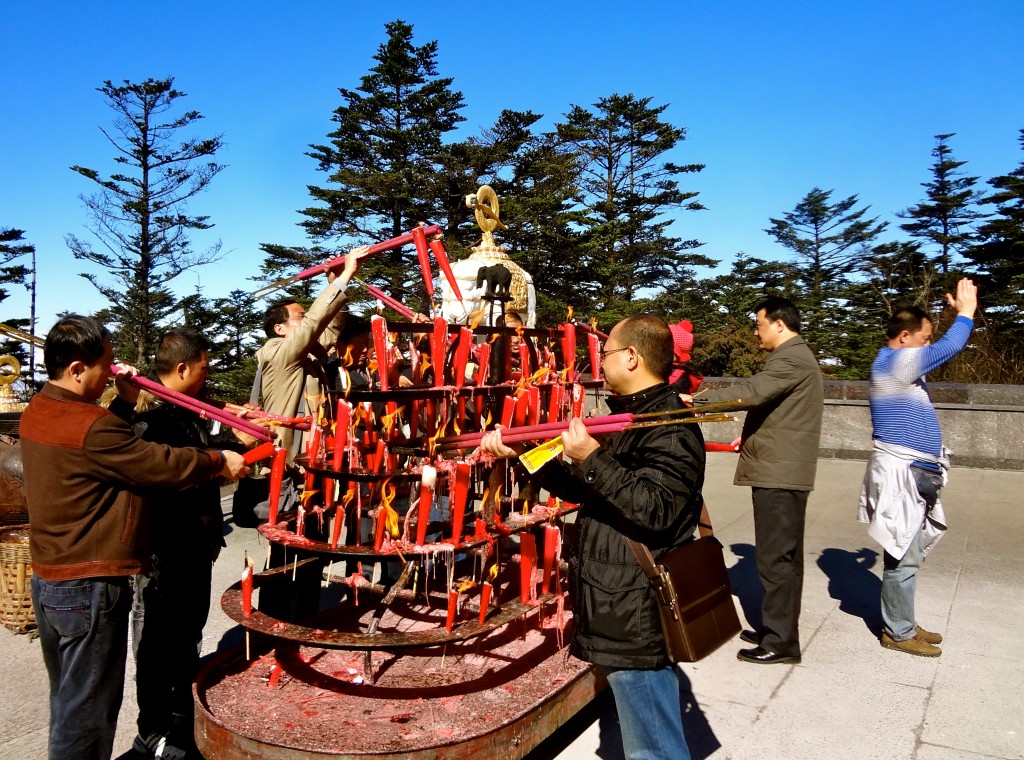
(653, 341)
(777, 307)
(909, 318)
(73, 338)
(276, 314)
(353, 326)
(180, 345)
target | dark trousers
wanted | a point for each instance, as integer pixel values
(171, 607)
(779, 515)
(83, 630)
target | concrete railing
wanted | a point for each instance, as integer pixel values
(983, 425)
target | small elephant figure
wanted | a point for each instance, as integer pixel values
(498, 280)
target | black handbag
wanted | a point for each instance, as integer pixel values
(691, 586)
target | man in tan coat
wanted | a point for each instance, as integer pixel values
(778, 460)
(290, 362)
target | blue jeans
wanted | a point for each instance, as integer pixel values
(899, 578)
(650, 713)
(83, 630)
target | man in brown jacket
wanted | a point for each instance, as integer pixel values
(778, 460)
(85, 476)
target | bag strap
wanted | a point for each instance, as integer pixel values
(645, 559)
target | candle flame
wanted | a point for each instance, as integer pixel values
(390, 515)
(568, 316)
(306, 497)
(389, 419)
(465, 586)
(492, 573)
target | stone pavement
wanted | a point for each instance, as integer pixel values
(848, 699)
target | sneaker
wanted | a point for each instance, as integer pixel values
(931, 638)
(155, 745)
(916, 646)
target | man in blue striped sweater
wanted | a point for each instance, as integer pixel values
(900, 494)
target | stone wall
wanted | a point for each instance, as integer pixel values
(983, 425)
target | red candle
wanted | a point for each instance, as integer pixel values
(453, 603)
(569, 350)
(552, 546)
(419, 239)
(462, 355)
(312, 455)
(378, 534)
(247, 588)
(524, 359)
(485, 600)
(508, 406)
(428, 482)
(527, 561)
(460, 495)
(379, 455)
(593, 344)
(555, 405)
(379, 329)
(441, 257)
(438, 347)
(342, 422)
(484, 357)
(258, 454)
(578, 394)
(521, 408)
(300, 521)
(276, 477)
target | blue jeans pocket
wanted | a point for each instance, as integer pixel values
(68, 609)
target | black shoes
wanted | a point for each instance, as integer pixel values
(761, 656)
(749, 637)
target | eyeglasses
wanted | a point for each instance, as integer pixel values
(605, 354)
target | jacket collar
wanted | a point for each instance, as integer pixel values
(638, 400)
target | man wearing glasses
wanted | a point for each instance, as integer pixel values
(644, 484)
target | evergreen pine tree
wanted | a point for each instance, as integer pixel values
(140, 215)
(627, 187)
(945, 221)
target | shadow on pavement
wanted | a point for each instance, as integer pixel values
(853, 585)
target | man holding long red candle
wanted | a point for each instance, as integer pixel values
(172, 600)
(291, 376)
(86, 482)
(641, 483)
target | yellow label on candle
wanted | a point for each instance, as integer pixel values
(536, 458)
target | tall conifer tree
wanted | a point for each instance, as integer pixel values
(140, 214)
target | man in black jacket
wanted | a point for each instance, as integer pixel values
(172, 601)
(644, 484)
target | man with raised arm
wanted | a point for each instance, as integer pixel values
(908, 466)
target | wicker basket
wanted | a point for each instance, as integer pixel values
(16, 611)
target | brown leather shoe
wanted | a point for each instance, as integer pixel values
(931, 638)
(916, 646)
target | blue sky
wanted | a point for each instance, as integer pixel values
(776, 98)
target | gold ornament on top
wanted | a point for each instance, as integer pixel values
(487, 210)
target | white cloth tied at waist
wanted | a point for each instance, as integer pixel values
(891, 504)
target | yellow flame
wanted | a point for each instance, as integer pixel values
(306, 497)
(465, 586)
(347, 359)
(492, 573)
(568, 316)
(388, 420)
(350, 494)
(390, 515)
